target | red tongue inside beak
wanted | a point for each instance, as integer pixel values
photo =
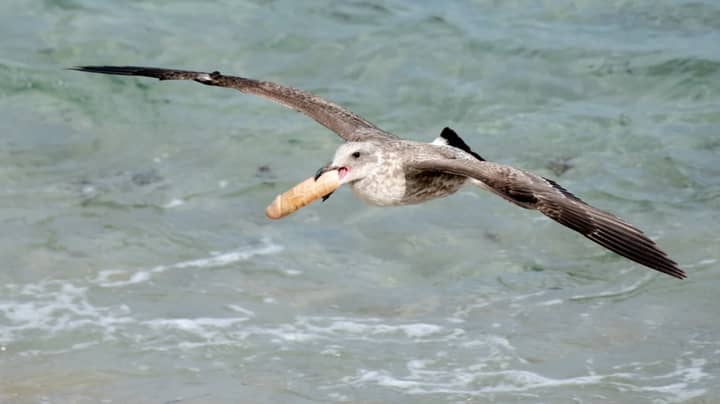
(342, 172)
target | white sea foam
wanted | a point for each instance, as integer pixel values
(372, 328)
(230, 331)
(194, 325)
(55, 306)
(675, 386)
(685, 376)
(621, 291)
(202, 331)
(701, 263)
(552, 302)
(238, 309)
(174, 203)
(110, 278)
(464, 311)
(114, 277)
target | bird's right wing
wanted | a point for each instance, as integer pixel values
(534, 192)
(346, 124)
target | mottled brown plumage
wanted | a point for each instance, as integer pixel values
(384, 170)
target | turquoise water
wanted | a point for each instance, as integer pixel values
(138, 265)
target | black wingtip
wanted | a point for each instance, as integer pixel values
(677, 273)
(88, 69)
(152, 72)
(448, 132)
(103, 69)
(454, 140)
(121, 70)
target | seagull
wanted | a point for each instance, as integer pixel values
(384, 170)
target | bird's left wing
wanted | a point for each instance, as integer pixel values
(535, 192)
(346, 124)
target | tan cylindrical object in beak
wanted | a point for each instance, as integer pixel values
(303, 194)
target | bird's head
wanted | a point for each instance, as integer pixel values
(354, 161)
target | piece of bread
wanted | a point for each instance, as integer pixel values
(302, 194)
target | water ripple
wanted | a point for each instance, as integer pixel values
(110, 278)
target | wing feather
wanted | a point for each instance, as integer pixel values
(534, 192)
(346, 124)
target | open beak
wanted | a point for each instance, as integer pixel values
(322, 170)
(342, 172)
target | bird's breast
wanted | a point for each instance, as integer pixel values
(393, 190)
(380, 190)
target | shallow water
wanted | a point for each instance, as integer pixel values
(138, 266)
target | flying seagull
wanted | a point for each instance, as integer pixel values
(384, 170)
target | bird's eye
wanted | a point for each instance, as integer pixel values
(356, 154)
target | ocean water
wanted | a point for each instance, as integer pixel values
(137, 265)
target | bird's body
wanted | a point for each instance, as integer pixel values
(384, 170)
(395, 182)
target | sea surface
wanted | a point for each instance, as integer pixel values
(137, 265)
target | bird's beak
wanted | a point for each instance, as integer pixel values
(322, 170)
(342, 171)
